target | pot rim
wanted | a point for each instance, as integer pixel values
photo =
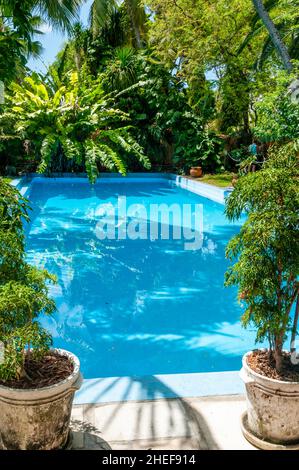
(71, 378)
(264, 377)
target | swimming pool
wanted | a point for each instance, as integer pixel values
(135, 307)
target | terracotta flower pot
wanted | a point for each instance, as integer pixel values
(196, 171)
(234, 180)
(38, 419)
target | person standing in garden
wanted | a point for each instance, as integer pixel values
(252, 149)
(253, 152)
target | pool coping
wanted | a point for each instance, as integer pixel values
(143, 388)
(208, 191)
(148, 388)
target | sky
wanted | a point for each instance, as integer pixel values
(52, 42)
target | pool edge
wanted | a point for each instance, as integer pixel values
(208, 191)
(148, 388)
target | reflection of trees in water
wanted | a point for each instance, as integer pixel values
(123, 294)
(102, 290)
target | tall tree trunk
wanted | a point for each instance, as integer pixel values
(274, 34)
(132, 8)
(137, 35)
(278, 352)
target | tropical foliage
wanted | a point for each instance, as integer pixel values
(165, 124)
(23, 289)
(231, 40)
(278, 31)
(20, 22)
(133, 19)
(195, 97)
(279, 110)
(76, 122)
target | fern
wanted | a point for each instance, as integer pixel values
(72, 149)
(125, 141)
(47, 149)
(79, 121)
(91, 157)
(102, 157)
(114, 158)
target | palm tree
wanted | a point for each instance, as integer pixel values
(122, 71)
(274, 34)
(137, 16)
(17, 44)
(103, 10)
(20, 21)
(60, 14)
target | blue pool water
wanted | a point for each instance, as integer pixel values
(135, 307)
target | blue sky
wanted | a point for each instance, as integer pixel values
(52, 42)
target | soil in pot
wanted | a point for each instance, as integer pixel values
(49, 370)
(260, 362)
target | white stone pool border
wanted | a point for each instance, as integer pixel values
(156, 387)
(202, 189)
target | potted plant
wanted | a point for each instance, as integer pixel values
(193, 164)
(234, 180)
(266, 255)
(37, 383)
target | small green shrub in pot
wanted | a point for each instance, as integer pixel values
(23, 290)
(266, 255)
(24, 296)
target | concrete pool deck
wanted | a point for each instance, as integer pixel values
(162, 412)
(201, 423)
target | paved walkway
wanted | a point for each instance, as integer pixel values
(165, 424)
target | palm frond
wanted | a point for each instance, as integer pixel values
(100, 14)
(59, 14)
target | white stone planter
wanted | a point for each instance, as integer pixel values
(272, 409)
(38, 419)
